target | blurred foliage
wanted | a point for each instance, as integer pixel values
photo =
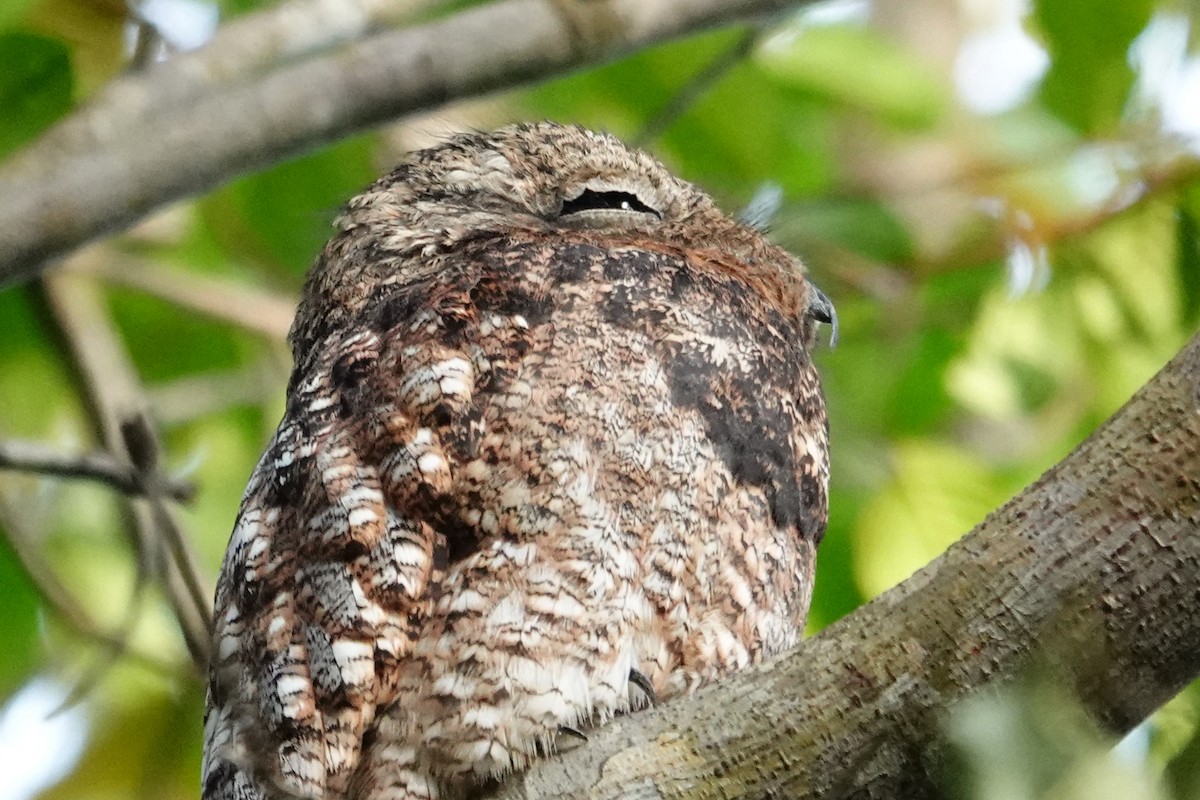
(35, 85)
(1090, 76)
(1030, 740)
(1005, 279)
(19, 599)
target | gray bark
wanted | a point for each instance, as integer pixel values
(141, 145)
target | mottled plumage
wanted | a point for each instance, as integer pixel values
(553, 432)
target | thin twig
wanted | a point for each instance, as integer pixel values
(145, 47)
(141, 442)
(25, 456)
(699, 84)
(117, 397)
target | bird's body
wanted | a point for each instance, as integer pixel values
(553, 433)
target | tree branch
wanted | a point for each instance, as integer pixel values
(35, 457)
(1092, 571)
(119, 406)
(223, 299)
(96, 173)
(699, 84)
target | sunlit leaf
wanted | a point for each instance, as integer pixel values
(1176, 742)
(859, 68)
(1039, 725)
(144, 740)
(11, 11)
(1090, 77)
(937, 493)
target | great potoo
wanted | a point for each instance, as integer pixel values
(554, 445)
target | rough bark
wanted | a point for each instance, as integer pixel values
(140, 146)
(1093, 572)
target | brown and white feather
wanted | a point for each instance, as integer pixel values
(525, 454)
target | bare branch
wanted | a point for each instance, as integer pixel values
(699, 84)
(225, 300)
(259, 384)
(117, 397)
(243, 48)
(141, 442)
(25, 456)
(1091, 571)
(96, 173)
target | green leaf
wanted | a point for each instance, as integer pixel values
(920, 401)
(13, 11)
(35, 86)
(836, 592)
(791, 139)
(18, 623)
(648, 81)
(148, 322)
(856, 67)
(1090, 77)
(1034, 385)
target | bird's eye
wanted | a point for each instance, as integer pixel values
(591, 200)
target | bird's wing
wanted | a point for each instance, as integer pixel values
(340, 543)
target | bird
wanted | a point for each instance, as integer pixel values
(554, 449)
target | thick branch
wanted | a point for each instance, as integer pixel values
(244, 47)
(1093, 570)
(96, 174)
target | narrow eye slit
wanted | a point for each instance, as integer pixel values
(617, 201)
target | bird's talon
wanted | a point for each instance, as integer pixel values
(569, 738)
(639, 679)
